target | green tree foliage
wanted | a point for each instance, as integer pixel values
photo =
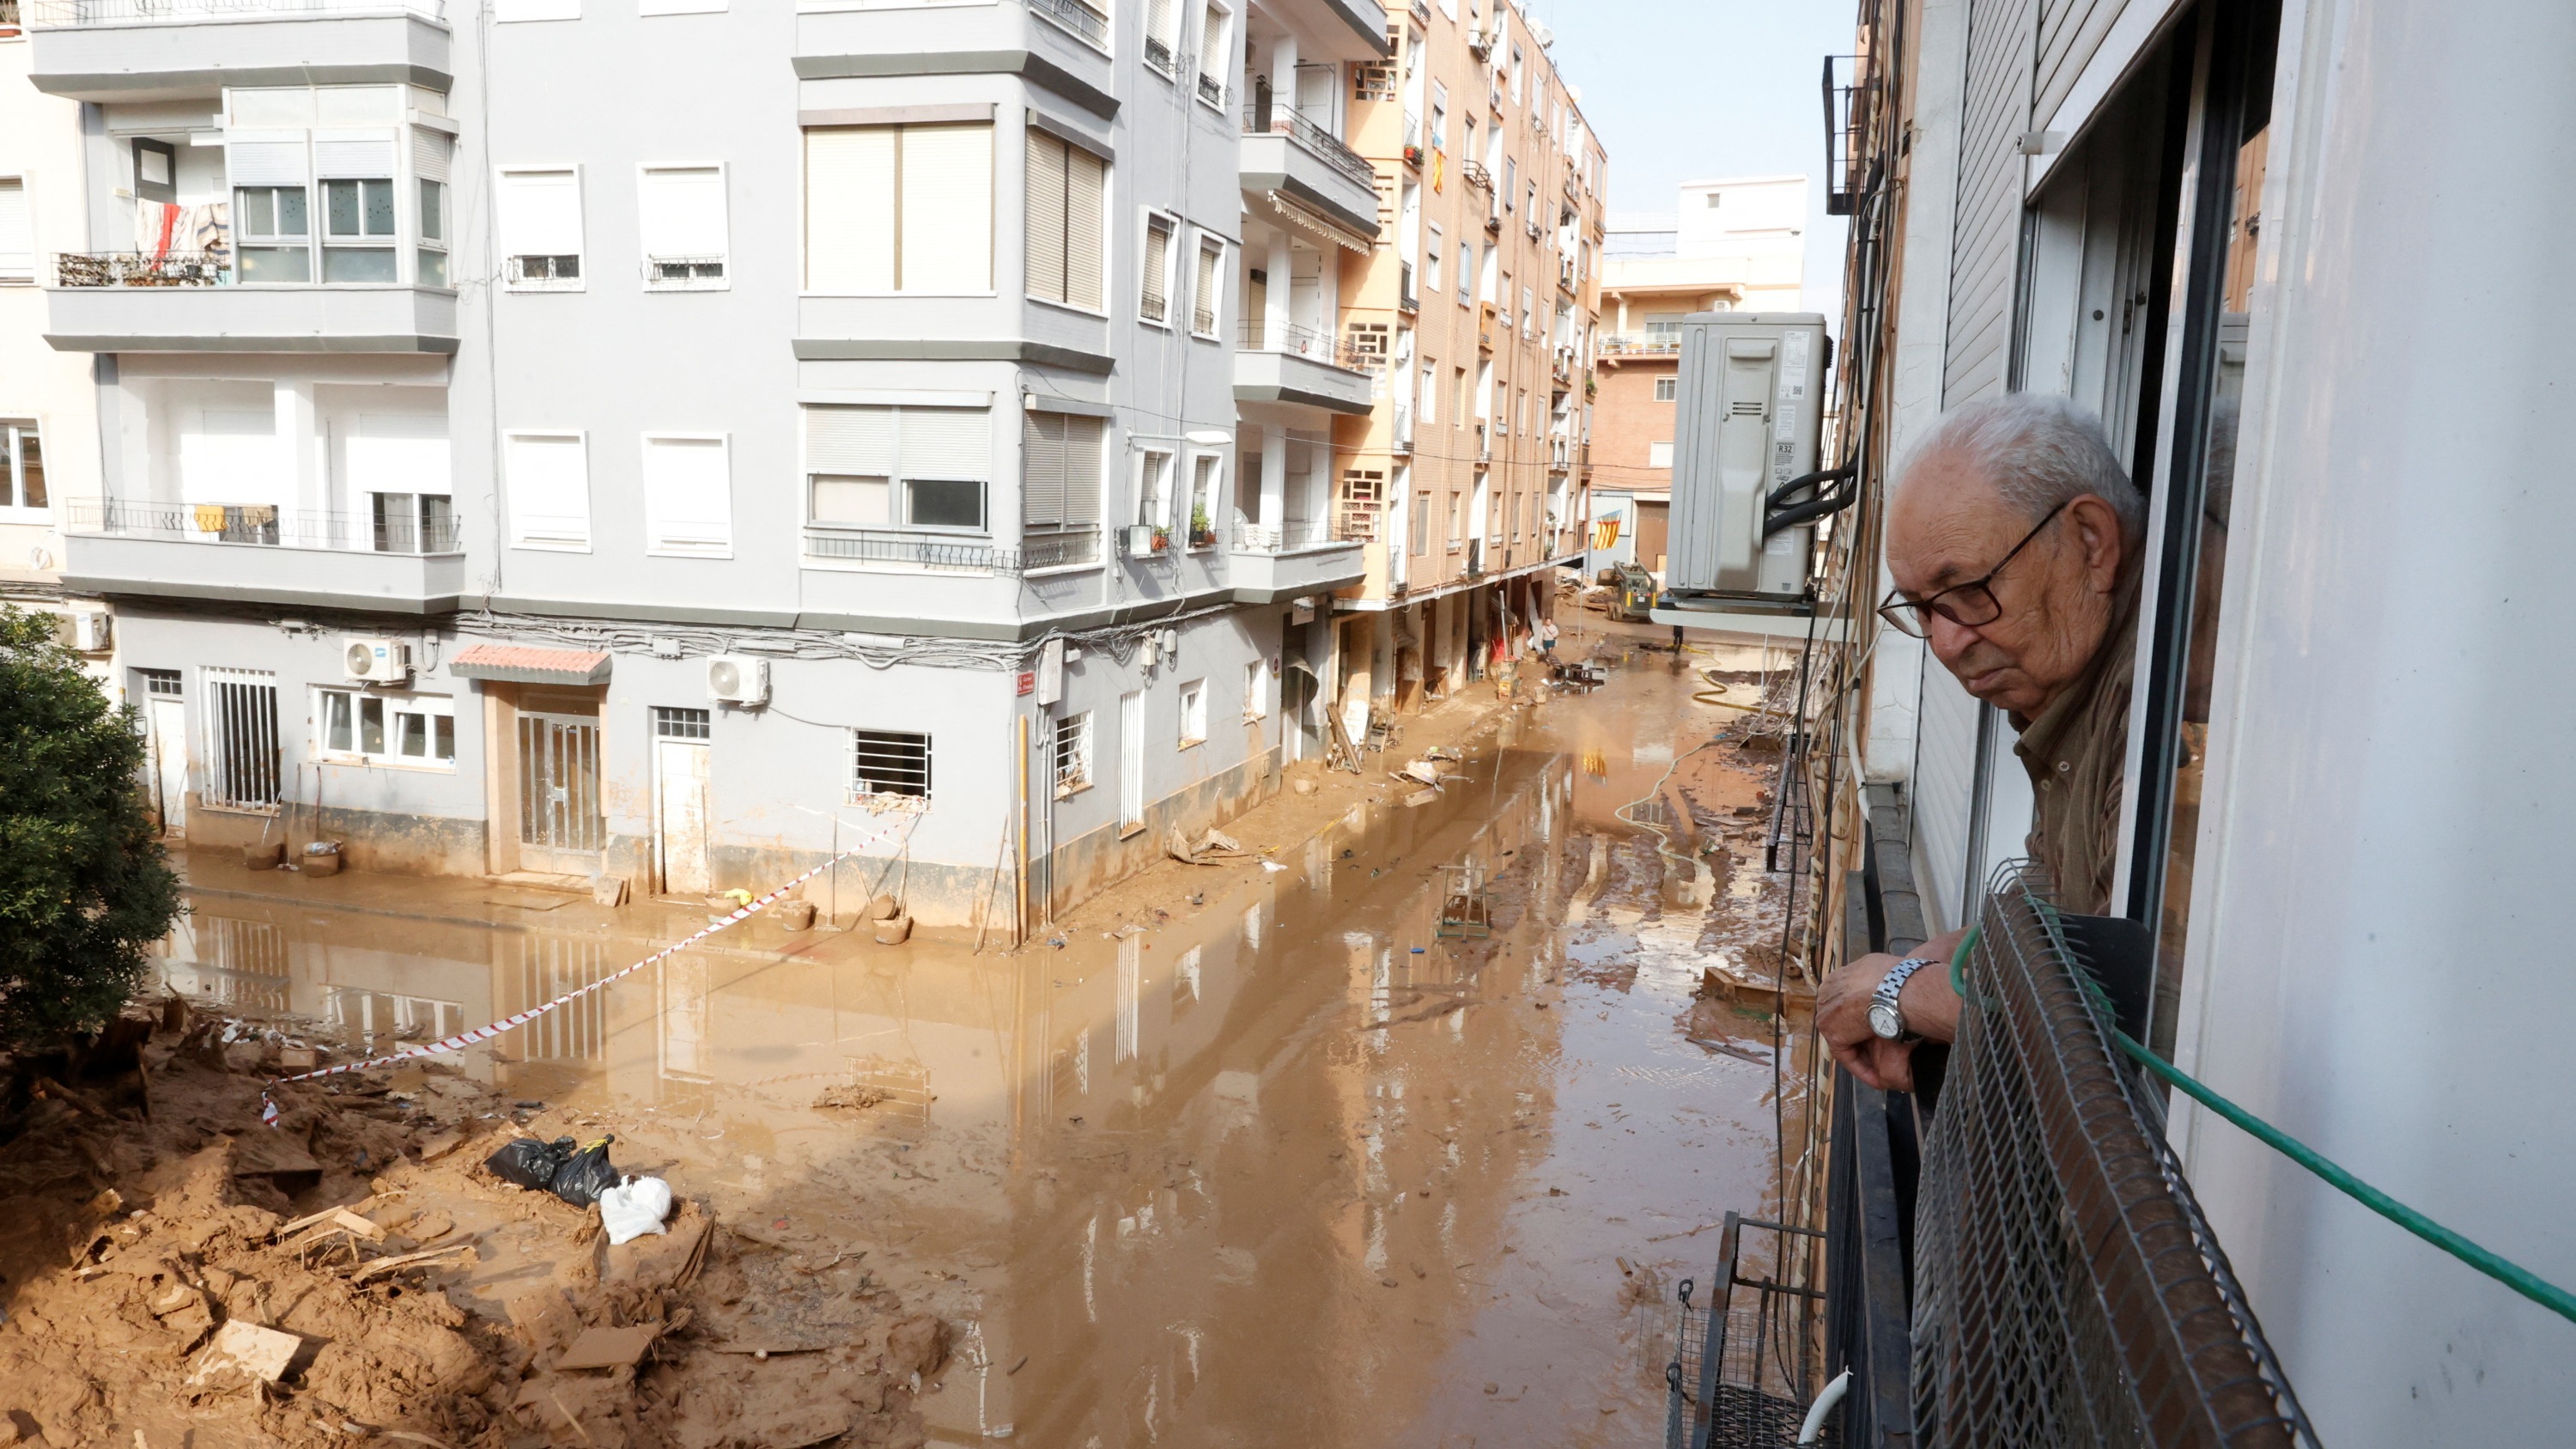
(85, 888)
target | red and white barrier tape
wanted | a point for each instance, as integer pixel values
(459, 1042)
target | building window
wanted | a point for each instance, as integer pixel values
(239, 770)
(273, 232)
(1431, 249)
(1466, 273)
(680, 220)
(1667, 389)
(385, 729)
(1256, 691)
(887, 763)
(1194, 713)
(1659, 455)
(160, 683)
(899, 209)
(1203, 478)
(1163, 35)
(682, 724)
(1154, 490)
(1072, 754)
(1086, 18)
(688, 496)
(898, 467)
(1456, 518)
(1203, 293)
(413, 522)
(548, 477)
(17, 232)
(433, 232)
(358, 227)
(22, 468)
(1429, 395)
(1422, 522)
(1060, 462)
(1153, 297)
(1067, 185)
(1216, 49)
(540, 226)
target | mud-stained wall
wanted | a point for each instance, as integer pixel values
(1087, 864)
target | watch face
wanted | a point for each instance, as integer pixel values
(1887, 1022)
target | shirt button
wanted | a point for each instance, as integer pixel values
(2065, 765)
(2044, 784)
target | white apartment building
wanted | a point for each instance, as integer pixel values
(655, 440)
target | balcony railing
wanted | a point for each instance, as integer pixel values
(1265, 117)
(1614, 344)
(1211, 89)
(1293, 536)
(1260, 336)
(1077, 16)
(1064, 548)
(1404, 427)
(142, 269)
(73, 14)
(1422, 11)
(1476, 174)
(263, 525)
(933, 551)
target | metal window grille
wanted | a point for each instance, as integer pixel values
(241, 770)
(681, 724)
(559, 804)
(160, 683)
(883, 762)
(1073, 752)
(2067, 1287)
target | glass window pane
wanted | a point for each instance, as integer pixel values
(357, 264)
(940, 503)
(291, 219)
(371, 726)
(276, 264)
(442, 738)
(433, 268)
(335, 722)
(31, 469)
(376, 199)
(433, 211)
(411, 732)
(340, 208)
(256, 211)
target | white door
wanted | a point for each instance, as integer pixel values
(1131, 758)
(680, 811)
(167, 720)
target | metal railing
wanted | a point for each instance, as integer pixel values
(1404, 427)
(1078, 16)
(1615, 344)
(264, 525)
(912, 549)
(1745, 1363)
(1476, 174)
(1211, 89)
(1060, 548)
(73, 14)
(142, 269)
(1306, 342)
(1422, 11)
(1266, 117)
(2067, 1286)
(1294, 536)
(1843, 107)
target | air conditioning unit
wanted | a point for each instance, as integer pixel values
(734, 679)
(1136, 540)
(377, 661)
(83, 631)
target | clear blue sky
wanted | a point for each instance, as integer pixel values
(1690, 90)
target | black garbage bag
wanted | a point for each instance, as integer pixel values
(530, 1163)
(585, 1175)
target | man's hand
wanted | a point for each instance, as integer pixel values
(1931, 1009)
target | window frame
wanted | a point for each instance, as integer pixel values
(1076, 731)
(519, 536)
(1205, 484)
(1214, 273)
(1191, 699)
(1219, 11)
(389, 702)
(722, 281)
(859, 739)
(422, 242)
(992, 127)
(513, 277)
(13, 472)
(1256, 691)
(1033, 135)
(1146, 452)
(27, 213)
(657, 544)
(1668, 389)
(898, 483)
(1171, 259)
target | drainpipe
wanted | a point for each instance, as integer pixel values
(1020, 882)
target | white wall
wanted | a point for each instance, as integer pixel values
(40, 144)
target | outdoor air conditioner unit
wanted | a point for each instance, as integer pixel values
(83, 631)
(1136, 540)
(733, 679)
(1747, 490)
(377, 661)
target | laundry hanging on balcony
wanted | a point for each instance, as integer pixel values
(162, 228)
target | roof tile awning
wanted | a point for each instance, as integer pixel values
(522, 664)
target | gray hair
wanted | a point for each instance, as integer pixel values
(2038, 451)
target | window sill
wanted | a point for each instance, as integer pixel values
(1129, 830)
(362, 762)
(1193, 744)
(535, 545)
(1061, 570)
(895, 296)
(882, 804)
(1083, 312)
(724, 552)
(1067, 792)
(530, 287)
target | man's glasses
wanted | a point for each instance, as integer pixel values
(1969, 605)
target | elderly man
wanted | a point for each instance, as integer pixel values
(2013, 537)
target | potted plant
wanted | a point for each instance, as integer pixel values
(1162, 538)
(1413, 156)
(1202, 532)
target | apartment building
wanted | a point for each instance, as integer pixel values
(1728, 246)
(1466, 479)
(663, 443)
(48, 416)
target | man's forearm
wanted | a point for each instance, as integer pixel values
(1931, 1007)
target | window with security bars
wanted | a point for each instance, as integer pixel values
(680, 219)
(682, 724)
(885, 762)
(1154, 295)
(1162, 35)
(1066, 185)
(240, 770)
(1072, 754)
(1203, 295)
(539, 218)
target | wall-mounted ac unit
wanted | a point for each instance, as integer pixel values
(83, 631)
(377, 661)
(1746, 488)
(734, 679)
(1136, 540)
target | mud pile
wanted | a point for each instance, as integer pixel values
(421, 1300)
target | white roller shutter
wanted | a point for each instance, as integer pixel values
(228, 455)
(1085, 190)
(1046, 238)
(946, 443)
(849, 209)
(856, 441)
(265, 163)
(688, 501)
(548, 475)
(1042, 470)
(369, 158)
(540, 214)
(399, 453)
(681, 212)
(947, 209)
(1082, 449)
(431, 154)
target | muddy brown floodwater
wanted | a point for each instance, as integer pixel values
(1283, 1163)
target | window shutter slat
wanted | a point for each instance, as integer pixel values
(1046, 217)
(947, 211)
(687, 503)
(849, 209)
(265, 163)
(850, 440)
(364, 159)
(540, 214)
(430, 154)
(945, 443)
(1042, 470)
(1082, 449)
(1086, 188)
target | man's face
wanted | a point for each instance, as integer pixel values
(1947, 527)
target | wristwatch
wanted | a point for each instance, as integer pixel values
(1886, 1018)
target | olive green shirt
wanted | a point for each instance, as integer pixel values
(2076, 750)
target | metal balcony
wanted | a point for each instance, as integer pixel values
(1295, 364)
(1296, 559)
(261, 553)
(1285, 152)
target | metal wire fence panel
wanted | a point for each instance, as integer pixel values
(1746, 1360)
(2067, 1290)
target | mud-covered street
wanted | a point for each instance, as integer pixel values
(1398, 1130)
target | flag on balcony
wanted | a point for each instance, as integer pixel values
(1605, 533)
